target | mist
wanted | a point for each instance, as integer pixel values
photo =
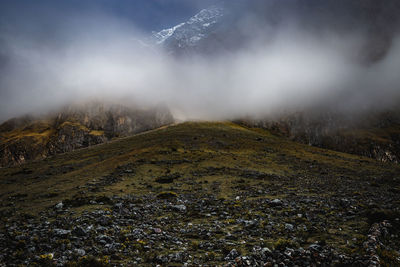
(282, 67)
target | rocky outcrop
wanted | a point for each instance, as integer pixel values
(31, 146)
(376, 135)
(74, 127)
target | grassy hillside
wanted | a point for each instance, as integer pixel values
(375, 134)
(73, 127)
(199, 190)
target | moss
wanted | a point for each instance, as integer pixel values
(388, 257)
(63, 241)
(167, 195)
(89, 261)
(37, 131)
(282, 244)
(194, 244)
(47, 256)
(96, 133)
(46, 260)
(73, 124)
(376, 215)
(197, 161)
(210, 256)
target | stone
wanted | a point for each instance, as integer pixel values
(61, 232)
(289, 226)
(276, 202)
(232, 255)
(80, 252)
(157, 230)
(79, 231)
(181, 208)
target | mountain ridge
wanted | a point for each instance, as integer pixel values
(187, 35)
(73, 127)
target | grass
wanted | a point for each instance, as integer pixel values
(378, 135)
(215, 152)
(204, 158)
(97, 133)
(40, 130)
(73, 124)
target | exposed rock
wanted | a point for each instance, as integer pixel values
(289, 226)
(79, 231)
(371, 134)
(74, 127)
(181, 208)
(62, 232)
(230, 220)
(80, 252)
(232, 255)
(276, 202)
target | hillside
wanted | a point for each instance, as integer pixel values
(73, 127)
(371, 134)
(196, 193)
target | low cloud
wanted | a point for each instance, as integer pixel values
(105, 58)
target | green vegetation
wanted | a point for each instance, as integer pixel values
(241, 169)
(97, 133)
(214, 152)
(39, 130)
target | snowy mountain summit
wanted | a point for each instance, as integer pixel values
(189, 34)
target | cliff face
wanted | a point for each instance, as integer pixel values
(74, 127)
(375, 135)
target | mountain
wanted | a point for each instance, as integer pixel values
(232, 26)
(73, 127)
(188, 36)
(373, 134)
(214, 30)
(313, 187)
(190, 32)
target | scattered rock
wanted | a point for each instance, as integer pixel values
(233, 254)
(289, 226)
(80, 252)
(181, 208)
(61, 232)
(276, 202)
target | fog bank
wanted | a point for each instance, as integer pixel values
(287, 67)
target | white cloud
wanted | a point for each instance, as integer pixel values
(293, 69)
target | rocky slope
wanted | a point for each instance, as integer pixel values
(74, 127)
(232, 26)
(215, 194)
(194, 35)
(375, 135)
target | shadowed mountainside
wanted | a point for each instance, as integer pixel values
(375, 134)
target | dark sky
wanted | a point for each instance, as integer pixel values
(146, 14)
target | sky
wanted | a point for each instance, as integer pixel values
(149, 15)
(48, 24)
(279, 56)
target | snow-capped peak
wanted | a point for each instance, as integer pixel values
(207, 15)
(163, 35)
(190, 32)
